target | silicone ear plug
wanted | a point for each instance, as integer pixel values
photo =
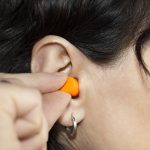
(71, 86)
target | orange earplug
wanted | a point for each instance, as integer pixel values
(71, 86)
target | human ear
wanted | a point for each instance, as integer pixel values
(54, 54)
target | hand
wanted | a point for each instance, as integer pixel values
(23, 125)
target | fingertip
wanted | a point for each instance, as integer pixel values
(65, 98)
(65, 94)
(52, 82)
(54, 104)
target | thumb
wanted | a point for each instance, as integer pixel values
(54, 104)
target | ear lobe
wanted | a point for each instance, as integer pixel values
(51, 58)
(75, 108)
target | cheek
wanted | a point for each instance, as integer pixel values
(120, 121)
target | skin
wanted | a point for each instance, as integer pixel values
(117, 102)
(112, 110)
(27, 107)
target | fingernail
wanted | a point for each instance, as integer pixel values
(60, 74)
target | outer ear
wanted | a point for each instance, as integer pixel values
(50, 57)
(54, 54)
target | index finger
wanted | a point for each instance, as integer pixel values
(45, 82)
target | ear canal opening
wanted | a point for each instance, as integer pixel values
(75, 97)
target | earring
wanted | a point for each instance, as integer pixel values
(71, 131)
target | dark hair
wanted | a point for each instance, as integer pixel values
(101, 29)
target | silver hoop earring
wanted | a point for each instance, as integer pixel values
(71, 131)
